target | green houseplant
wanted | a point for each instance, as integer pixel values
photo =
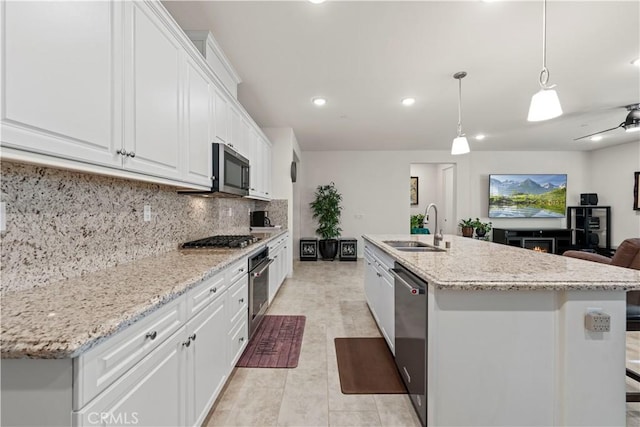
(417, 224)
(326, 210)
(482, 228)
(467, 226)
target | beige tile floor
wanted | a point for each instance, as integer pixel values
(331, 295)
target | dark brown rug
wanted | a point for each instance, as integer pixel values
(276, 343)
(366, 366)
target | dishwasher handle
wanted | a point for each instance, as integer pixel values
(412, 289)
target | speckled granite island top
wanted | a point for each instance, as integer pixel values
(67, 318)
(479, 265)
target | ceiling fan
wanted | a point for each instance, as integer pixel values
(631, 122)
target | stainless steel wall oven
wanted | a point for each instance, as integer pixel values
(258, 288)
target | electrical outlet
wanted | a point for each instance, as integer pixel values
(3, 216)
(597, 321)
(147, 213)
(229, 212)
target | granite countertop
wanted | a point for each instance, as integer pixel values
(472, 264)
(67, 318)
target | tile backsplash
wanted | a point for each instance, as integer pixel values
(63, 224)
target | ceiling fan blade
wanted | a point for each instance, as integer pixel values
(602, 131)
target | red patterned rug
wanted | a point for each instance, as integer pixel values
(276, 343)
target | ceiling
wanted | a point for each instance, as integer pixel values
(365, 56)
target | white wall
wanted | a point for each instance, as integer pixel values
(573, 163)
(374, 186)
(427, 186)
(375, 190)
(284, 150)
(610, 174)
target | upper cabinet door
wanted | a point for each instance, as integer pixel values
(62, 82)
(153, 59)
(236, 140)
(198, 108)
(220, 120)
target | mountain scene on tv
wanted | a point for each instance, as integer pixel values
(527, 196)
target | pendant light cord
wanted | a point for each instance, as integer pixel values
(544, 74)
(460, 107)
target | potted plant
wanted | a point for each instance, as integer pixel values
(467, 226)
(417, 224)
(482, 228)
(326, 209)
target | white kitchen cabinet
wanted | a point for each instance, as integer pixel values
(197, 135)
(266, 168)
(254, 161)
(261, 168)
(221, 113)
(238, 134)
(206, 361)
(150, 394)
(61, 84)
(237, 319)
(279, 269)
(152, 93)
(379, 292)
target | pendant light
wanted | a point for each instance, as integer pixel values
(460, 144)
(545, 104)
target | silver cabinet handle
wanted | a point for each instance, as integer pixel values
(122, 152)
(241, 300)
(253, 189)
(151, 335)
(192, 337)
(241, 339)
(213, 290)
(240, 270)
(379, 275)
(187, 343)
(131, 154)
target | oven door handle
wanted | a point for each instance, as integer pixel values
(263, 269)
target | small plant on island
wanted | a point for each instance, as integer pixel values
(482, 228)
(467, 226)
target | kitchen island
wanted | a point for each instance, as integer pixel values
(506, 342)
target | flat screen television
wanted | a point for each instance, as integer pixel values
(527, 196)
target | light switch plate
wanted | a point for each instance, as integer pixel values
(147, 213)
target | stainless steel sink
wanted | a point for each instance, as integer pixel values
(412, 246)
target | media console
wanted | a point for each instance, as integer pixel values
(551, 240)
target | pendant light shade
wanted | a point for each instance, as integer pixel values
(545, 104)
(460, 144)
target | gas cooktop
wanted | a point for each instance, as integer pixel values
(221, 242)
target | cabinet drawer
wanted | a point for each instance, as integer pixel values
(98, 368)
(238, 338)
(238, 300)
(147, 395)
(236, 270)
(205, 292)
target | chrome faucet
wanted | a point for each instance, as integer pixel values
(437, 238)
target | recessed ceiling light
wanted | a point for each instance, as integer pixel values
(596, 138)
(319, 101)
(316, 1)
(480, 137)
(636, 62)
(408, 101)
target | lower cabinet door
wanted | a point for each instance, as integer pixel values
(206, 359)
(238, 339)
(150, 394)
(387, 311)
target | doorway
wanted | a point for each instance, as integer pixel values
(435, 184)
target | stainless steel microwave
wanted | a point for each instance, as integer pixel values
(230, 173)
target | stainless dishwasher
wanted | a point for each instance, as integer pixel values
(411, 335)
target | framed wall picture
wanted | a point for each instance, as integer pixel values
(414, 190)
(636, 191)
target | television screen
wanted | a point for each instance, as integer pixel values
(527, 196)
